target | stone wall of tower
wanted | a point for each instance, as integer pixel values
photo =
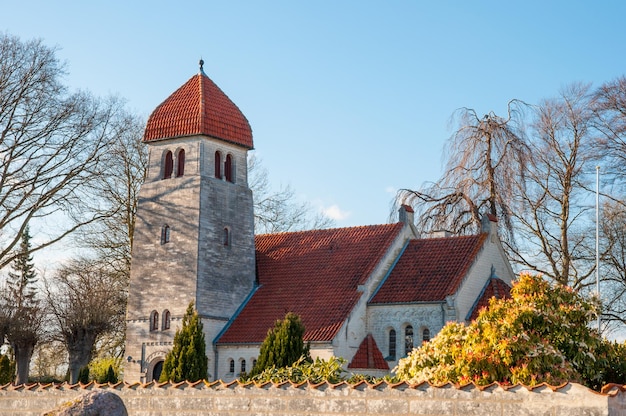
(195, 264)
(226, 270)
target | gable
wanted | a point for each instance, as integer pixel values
(429, 270)
(315, 274)
(495, 288)
(368, 356)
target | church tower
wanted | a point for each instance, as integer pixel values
(194, 232)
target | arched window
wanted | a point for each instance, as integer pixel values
(426, 335)
(408, 339)
(154, 321)
(254, 363)
(180, 168)
(169, 165)
(226, 236)
(231, 366)
(243, 366)
(228, 168)
(218, 165)
(392, 344)
(165, 234)
(166, 320)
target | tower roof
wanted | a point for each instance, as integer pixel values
(199, 107)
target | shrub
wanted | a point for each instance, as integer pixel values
(7, 370)
(187, 360)
(283, 345)
(105, 369)
(541, 334)
(302, 370)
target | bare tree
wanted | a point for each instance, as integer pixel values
(553, 225)
(278, 211)
(485, 160)
(51, 142)
(86, 300)
(609, 103)
(122, 172)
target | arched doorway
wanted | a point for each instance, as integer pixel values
(157, 370)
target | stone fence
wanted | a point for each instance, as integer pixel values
(218, 398)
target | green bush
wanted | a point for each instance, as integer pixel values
(7, 370)
(283, 345)
(541, 334)
(187, 360)
(83, 375)
(105, 369)
(302, 370)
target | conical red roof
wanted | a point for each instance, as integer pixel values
(199, 107)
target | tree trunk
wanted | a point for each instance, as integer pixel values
(79, 355)
(23, 354)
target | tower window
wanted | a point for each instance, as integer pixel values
(408, 339)
(228, 168)
(180, 168)
(226, 236)
(218, 165)
(392, 344)
(165, 234)
(166, 320)
(154, 321)
(169, 165)
(426, 335)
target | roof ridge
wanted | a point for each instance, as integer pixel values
(353, 227)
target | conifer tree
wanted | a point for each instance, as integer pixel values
(187, 360)
(283, 345)
(23, 277)
(7, 370)
(25, 315)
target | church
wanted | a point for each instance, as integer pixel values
(368, 294)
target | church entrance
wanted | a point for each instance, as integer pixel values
(156, 371)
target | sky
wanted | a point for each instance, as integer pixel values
(349, 101)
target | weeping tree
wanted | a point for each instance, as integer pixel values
(485, 158)
(187, 360)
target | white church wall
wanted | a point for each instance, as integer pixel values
(491, 256)
(347, 341)
(383, 318)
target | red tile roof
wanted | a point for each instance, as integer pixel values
(495, 288)
(429, 270)
(199, 107)
(369, 356)
(314, 274)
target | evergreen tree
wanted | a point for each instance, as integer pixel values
(22, 313)
(23, 277)
(83, 375)
(283, 345)
(187, 360)
(7, 370)
(110, 376)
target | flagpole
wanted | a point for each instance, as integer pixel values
(598, 239)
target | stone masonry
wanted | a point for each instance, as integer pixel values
(343, 399)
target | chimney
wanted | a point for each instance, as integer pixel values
(489, 223)
(406, 214)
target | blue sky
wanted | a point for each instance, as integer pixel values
(348, 100)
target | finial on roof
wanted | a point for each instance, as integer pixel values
(201, 66)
